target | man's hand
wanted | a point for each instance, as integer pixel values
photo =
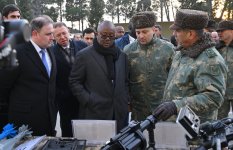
(165, 110)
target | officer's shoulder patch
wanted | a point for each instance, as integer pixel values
(214, 69)
(210, 53)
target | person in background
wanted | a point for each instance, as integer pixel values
(30, 87)
(173, 40)
(211, 26)
(88, 36)
(119, 31)
(10, 12)
(78, 36)
(198, 72)
(149, 62)
(65, 51)
(128, 38)
(99, 79)
(158, 32)
(215, 37)
(225, 47)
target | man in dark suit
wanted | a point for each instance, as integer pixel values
(30, 87)
(65, 50)
(99, 79)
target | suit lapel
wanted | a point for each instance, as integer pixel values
(100, 60)
(35, 58)
(53, 64)
(60, 56)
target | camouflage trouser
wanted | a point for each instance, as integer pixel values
(224, 109)
(140, 115)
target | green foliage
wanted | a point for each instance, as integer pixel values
(155, 5)
(5, 2)
(143, 5)
(219, 13)
(52, 12)
(55, 10)
(71, 10)
(25, 7)
(128, 8)
(229, 10)
(110, 8)
(193, 4)
(96, 12)
(119, 8)
(76, 11)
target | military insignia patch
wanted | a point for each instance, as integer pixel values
(210, 53)
(214, 69)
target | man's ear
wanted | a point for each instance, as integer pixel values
(192, 34)
(34, 33)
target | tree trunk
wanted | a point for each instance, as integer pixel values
(60, 10)
(79, 28)
(210, 9)
(173, 13)
(161, 10)
(82, 24)
(166, 7)
(224, 8)
(118, 15)
(112, 17)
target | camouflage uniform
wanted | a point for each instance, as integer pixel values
(149, 66)
(197, 82)
(227, 53)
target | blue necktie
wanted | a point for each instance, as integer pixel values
(45, 61)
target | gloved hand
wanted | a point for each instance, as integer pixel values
(165, 111)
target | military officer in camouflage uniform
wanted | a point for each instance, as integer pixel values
(198, 72)
(150, 59)
(225, 47)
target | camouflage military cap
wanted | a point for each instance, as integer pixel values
(190, 19)
(225, 25)
(144, 20)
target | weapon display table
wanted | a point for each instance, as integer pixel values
(60, 143)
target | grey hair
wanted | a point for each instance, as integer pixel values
(38, 22)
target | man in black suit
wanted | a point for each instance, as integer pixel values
(65, 50)
(99, 79)
(30, 87)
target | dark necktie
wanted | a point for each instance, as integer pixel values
(45, 61)
(68, 55)
(67, 51)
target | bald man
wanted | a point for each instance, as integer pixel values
(99, 79)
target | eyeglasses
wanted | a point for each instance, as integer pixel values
(105, 36)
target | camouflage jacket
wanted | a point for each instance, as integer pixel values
(227, 54)
(198, 82)
(149, 67)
